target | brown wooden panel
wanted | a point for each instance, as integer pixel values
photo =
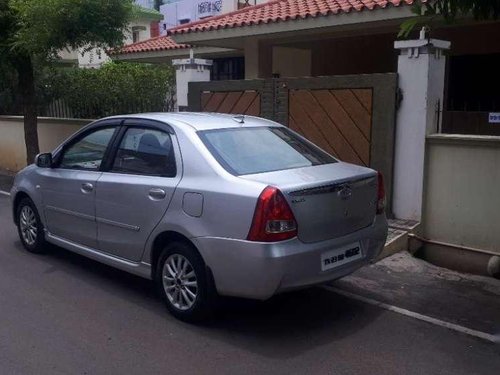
(304, 125)
(244, 102)
(296, 127)
(365, 97)
(329, 120)
(326, 128)
(254, 108)
(229, 102)
(215, 101)
(205, 98)
(355, 109)
(341, 120)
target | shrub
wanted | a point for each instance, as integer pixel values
(115, 88)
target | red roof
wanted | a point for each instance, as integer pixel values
(283, 10)
(160, 43)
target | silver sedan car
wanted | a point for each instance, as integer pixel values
(204, 205)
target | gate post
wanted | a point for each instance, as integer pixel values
(189, 70)
(421, 70)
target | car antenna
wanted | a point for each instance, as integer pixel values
(239, 119)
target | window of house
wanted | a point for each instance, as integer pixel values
(228, 68)
(146, 152)
(135, 36)
(136, 33)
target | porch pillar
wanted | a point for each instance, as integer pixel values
(189, 70)
(251, 58)
(421, 71)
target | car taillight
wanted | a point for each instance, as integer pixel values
(273, 219)
(380, 195)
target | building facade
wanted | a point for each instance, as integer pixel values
(179, 12)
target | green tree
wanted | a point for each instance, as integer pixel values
(449, 10)
(33, 32)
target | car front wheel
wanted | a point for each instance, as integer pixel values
(184, 283)
(30, 227)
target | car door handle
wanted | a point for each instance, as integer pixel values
(87, 187)
(157, 193)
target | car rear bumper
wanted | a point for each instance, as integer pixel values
(259, 270)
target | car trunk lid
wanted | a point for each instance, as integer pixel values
(328, 201)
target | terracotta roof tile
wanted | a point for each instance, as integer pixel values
(160, 43)
(282, 10)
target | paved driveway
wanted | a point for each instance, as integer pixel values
(63, 314)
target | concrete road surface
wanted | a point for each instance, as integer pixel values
(63, 314)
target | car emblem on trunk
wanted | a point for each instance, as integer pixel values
(345, 192)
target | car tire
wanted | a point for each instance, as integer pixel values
(30, 227)
(185, 283)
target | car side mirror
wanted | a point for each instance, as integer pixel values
(44, 160)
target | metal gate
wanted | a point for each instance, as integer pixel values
(351, 116)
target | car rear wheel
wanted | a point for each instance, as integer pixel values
(30, 227)
(184, 283)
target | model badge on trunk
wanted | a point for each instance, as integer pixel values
(345, 192)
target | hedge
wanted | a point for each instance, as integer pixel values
(115, 88)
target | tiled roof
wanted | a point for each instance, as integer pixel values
(283, 10)
(160, 43)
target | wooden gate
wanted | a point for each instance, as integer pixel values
(238, 97)
(237, 102)
(338, 120)
(351, 117)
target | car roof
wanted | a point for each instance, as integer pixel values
(203, 120)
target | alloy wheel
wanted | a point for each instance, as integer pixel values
(180, 282)
(28, 224)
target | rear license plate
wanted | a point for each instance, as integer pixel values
(340, 256)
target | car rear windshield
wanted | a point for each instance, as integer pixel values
(244, 151)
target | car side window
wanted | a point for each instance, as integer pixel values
(88, 152)
(146, 152)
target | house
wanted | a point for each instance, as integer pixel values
(143, 26)
(227, 63)
(326, 38)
